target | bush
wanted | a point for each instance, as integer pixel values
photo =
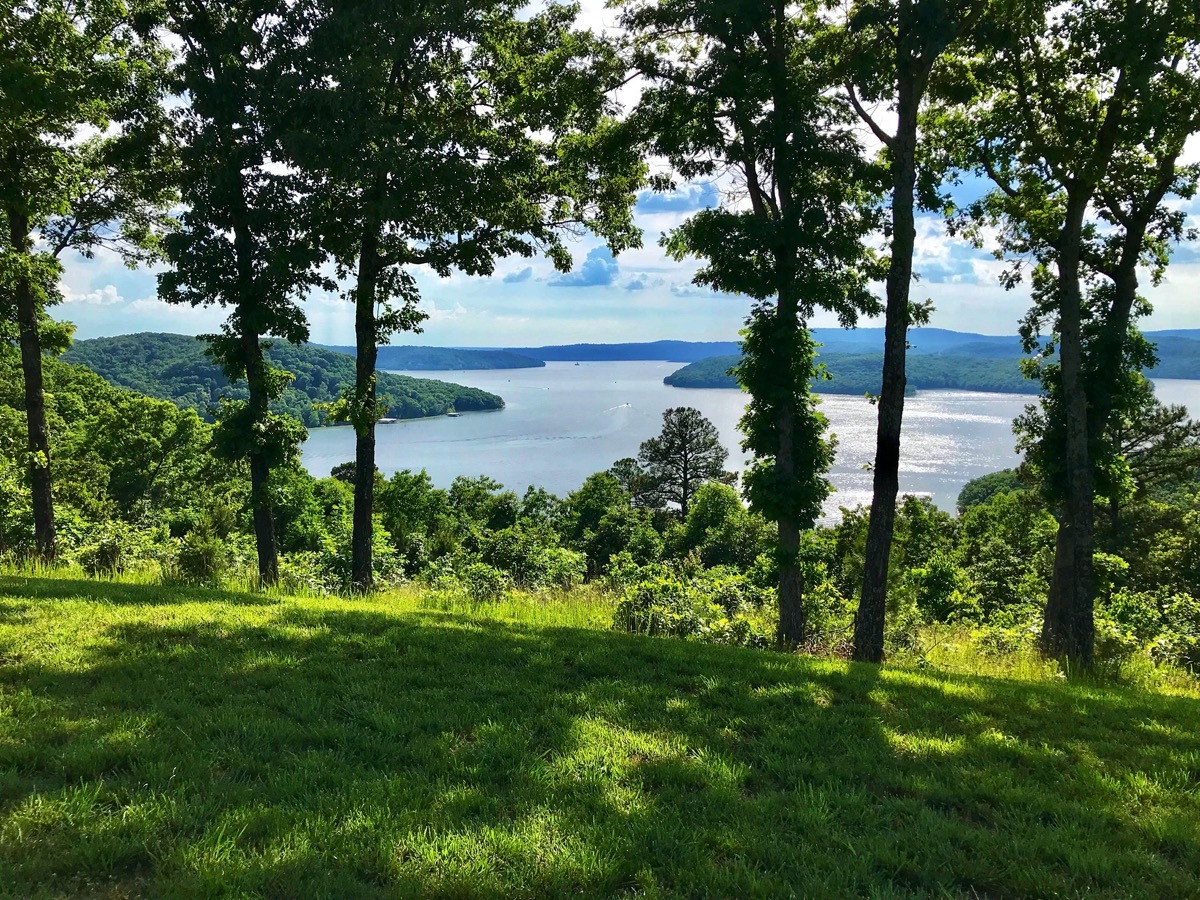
(483, 583)
(563, 569)
(115, 547)
(1179, 642)
(201, 558)
(531, 558)
(942, 591)
(717, 609)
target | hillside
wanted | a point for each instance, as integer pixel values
(671, 351)
(1178, 357)
(174, 367)
(860, 374)
(859, 341)
(176, 742)
(433, 359)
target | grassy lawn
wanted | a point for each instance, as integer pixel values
(173, 742)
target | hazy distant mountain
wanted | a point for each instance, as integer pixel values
(923, 341)
(834, 340)
(974, 365)
(671, 351)
(402, 357)
(861, 373)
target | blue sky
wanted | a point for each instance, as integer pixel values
(639, 296)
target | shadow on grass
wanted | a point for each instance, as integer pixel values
(327, 752)
(118, 593)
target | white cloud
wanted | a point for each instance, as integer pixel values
(105, 296)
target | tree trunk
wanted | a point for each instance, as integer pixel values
(872, 605)
(260, 470)
(37, 432)
(1068, 628)
(793, 627)
(363, 414)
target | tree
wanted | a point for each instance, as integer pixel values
(449, 135)
(70, 68)
(1157, 445)
(741, 91)
(243, 243)
(686, 454)
(985, 487)
(894, 49)
(1081, 118)
(637, 482)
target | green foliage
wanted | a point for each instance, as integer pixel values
(722, 532)
(116, 547)
(985, 487)
(686, 454)
(118, 456)
(174, 367)
(776, 368)
(531, 558)
(718, 608)
(483, 583)
(71, 68)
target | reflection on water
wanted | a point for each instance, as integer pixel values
(564, 422)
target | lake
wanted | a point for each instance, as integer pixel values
(566, 421)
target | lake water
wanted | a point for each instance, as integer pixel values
(566, 421)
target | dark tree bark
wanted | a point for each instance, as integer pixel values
(793, 626)
(38, 434)
(869, 623)
(265, 543)
(1068, 627)
(1068, 624)
(265, 540)
(366, 351)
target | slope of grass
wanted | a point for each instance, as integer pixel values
(175, 742)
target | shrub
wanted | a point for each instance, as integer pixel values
(115, 547)
(201, 558)
(942, 591)
(1179, 642)
(563, 569)
(719, 609)
(483, 583)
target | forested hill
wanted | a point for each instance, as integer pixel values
(671, 351)
(174, 367)
(860, 341)
(973, 367)
(431, 359)
(859, 373)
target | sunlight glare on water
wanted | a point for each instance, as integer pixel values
(564, 422)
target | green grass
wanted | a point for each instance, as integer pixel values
(183, 743)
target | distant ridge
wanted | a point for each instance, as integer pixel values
(971, 366)
(862, 373)
(923, 341)
(671, 351)
(403, 357)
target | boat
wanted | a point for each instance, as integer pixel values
(453, 415)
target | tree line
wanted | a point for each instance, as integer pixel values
(174, 367)
(316, 146)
